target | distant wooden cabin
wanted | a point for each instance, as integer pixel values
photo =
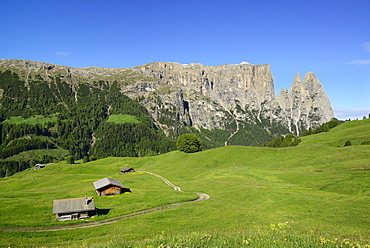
(127, 170)
(108, 186)
(38, 166)
(74, 208)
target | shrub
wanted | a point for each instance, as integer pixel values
(348, 143)
(70, 160)
(287, 141)
(86, 159)
(189, 143)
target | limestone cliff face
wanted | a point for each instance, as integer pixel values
(213, 97)
(223, 97)
(207, 96)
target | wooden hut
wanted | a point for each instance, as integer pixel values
(127, 170)
(74, 208)
(108, 186)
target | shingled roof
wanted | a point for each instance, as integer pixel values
(73, 205)
(106, 181)
(127, 169)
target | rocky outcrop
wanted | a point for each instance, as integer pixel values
(306, 105)
(210, 94)
(225, 97)
(213, 97)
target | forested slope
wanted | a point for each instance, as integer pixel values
(73, 118)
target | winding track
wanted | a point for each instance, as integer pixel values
(201, 197)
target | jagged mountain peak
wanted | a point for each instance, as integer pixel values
(311, 82)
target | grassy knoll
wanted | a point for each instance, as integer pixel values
(314, 195)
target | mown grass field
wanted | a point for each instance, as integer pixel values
(314, 195)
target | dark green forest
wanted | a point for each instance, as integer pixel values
(80, 126)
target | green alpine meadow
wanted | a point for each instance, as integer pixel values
(315, 194)
(185, 124)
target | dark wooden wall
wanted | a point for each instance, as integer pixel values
(110, 191)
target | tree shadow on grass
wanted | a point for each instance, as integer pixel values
(125, 190)
(100, 211)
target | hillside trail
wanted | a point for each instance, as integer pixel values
(201, 197)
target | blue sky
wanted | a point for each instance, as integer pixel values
(329, 37)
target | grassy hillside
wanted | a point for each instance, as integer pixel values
(356, 131)
(315, 194)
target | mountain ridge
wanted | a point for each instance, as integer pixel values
(244, 87)
(224, 97)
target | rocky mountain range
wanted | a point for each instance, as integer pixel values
(212, 97)
(226, 104)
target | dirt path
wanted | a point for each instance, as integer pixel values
(201, 197)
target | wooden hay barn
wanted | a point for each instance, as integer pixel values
(127, 170)
(74, 208)
(108, 186)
